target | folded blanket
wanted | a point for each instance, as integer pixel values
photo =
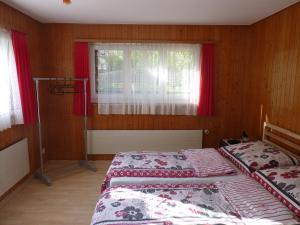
(208, 162)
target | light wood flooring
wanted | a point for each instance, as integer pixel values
(69, 201)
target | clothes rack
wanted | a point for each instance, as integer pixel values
(40, 174)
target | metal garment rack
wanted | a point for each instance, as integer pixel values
(85, 163)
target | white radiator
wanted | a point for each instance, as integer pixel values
(14, 165)
(113, 141)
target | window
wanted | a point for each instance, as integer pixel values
(10, 102)
(139, 78)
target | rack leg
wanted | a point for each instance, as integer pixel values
(88, 165)
(40, 174)
(42, 177)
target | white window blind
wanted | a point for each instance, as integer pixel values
(10, 102)
(142, 78)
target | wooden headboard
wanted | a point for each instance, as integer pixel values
(282, 138)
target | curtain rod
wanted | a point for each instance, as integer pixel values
(143, 41)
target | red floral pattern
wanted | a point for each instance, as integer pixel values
(187, 163)
(258, 155)
(203, 204)
(290, 174)
(284, 183)
(153, 204)
(149, 164)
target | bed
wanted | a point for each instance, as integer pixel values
(187, 166)
(240, 201)
(171, 188)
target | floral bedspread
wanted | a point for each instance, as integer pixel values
(149, 164)
(259, 155)
(164, 205)
(284, 183)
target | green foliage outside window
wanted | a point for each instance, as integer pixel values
(110, 64)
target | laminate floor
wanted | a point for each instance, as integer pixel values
(69, 201)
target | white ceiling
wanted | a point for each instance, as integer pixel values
(204, 12)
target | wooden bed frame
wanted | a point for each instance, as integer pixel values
(276, 136)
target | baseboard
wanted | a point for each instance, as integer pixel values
(101, 157)
(13, 188)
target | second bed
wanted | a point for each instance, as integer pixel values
(188, 166)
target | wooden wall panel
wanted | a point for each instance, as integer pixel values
(13, 19)
(63, 131)
(272, 88)
(257, 76)
(257, 79)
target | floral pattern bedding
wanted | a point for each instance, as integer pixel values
(149, 164)
(242, 201)
(284, 183)
(164, 205)
(188, 163)
(150, 160)
(258, 155)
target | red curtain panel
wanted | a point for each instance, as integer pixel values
(26, 84)
(206, 99)
(82, 70)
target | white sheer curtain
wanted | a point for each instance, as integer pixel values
(10, 102)
(141, 78)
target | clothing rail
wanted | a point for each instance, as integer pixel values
(41, 173)
(60, 78)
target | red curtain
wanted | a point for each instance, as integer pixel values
(206, 99)
(82, 70)
(26, 86)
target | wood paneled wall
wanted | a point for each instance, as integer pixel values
(63, 131)
(272, 88)
(257, 76)
(13, 19)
